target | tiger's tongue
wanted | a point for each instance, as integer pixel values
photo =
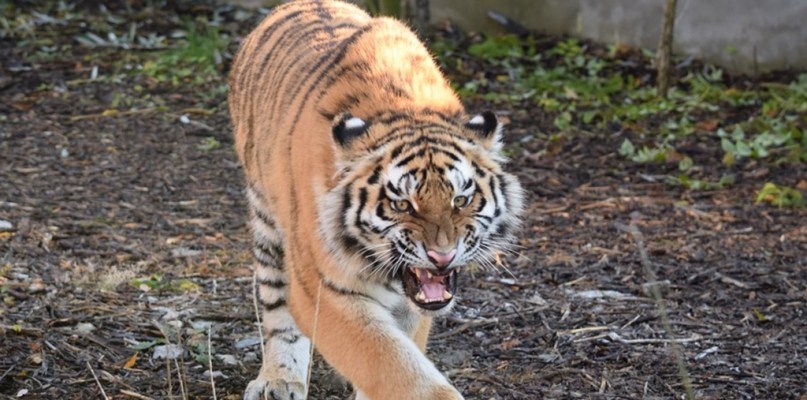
(432, 287)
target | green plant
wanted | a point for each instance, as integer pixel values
(699, 184)
(579, 87)
(497, 47)
(737, 145)
(157, 282)
(197, 60)
(780, 196)
(645, 154)
(209, 143)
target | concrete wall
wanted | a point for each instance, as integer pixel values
(730, 33)
(740, 35)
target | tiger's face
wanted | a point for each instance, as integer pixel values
(420, 208)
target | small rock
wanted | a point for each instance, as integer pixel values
(455, 358)
(201, 326)
(706, 352)
(85, 328)
(170, 351)
(228, 359)
(599, 294)
(6, 226)
(216, 374)
(649, 287)
(247, 343)
(183, 252)
(169, 314)
(537, 299)
(250, 357)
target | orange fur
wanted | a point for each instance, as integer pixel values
(307, 64)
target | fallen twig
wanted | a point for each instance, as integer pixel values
(135, 395)
(665, 319)
(7, 372)
(466, 325)
(35, 332)
(109, 113)
(97, 381)
(732, 281)
(210, 361)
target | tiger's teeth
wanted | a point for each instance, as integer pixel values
(429, 274)
(420, 296)
(447, 295)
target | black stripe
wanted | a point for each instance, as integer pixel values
(350, 243)
(264, 218)
(290, 339)
(280, 331)
(393, 189)
(345, 292)
(362, 203)
(373, 179)
(273, 306)
(345, 46)
(272, 283)
(411, 157)
(271, 251)
(288, 72)
(346, 205)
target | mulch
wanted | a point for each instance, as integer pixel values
(97, 203)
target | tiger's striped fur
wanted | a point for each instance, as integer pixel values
(368, 187)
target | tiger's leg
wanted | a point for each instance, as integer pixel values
(369, 348)
(421, 336)
(286, 356)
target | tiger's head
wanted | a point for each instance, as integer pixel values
(417, 199)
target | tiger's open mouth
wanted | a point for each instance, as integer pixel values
(430, 289)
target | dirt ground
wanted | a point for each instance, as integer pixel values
(96, 201)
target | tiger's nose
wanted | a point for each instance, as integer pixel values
(441, 260)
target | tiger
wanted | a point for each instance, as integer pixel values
(369, 189)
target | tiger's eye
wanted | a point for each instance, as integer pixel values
(461, 201)
(401, 205)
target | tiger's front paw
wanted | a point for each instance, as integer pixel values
(274, 389)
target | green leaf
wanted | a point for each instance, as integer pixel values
(743, 149)
(140, 346)
(685, 164)
(727, 146)
(627, 149)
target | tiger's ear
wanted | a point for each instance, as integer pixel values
(346, 127)
(488, 128)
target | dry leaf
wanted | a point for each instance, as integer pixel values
(708, 125)
(570, 93)
(129, 364)
(510, 344)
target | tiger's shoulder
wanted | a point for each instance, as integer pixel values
(322, 58)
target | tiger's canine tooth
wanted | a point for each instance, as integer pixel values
(420, 296)
(447, 295)
(429, 274)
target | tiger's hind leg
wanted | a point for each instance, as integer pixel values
(286, 354)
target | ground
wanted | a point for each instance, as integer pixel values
(128, 232)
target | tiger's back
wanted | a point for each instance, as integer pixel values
(369, 187)
(310, 60)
